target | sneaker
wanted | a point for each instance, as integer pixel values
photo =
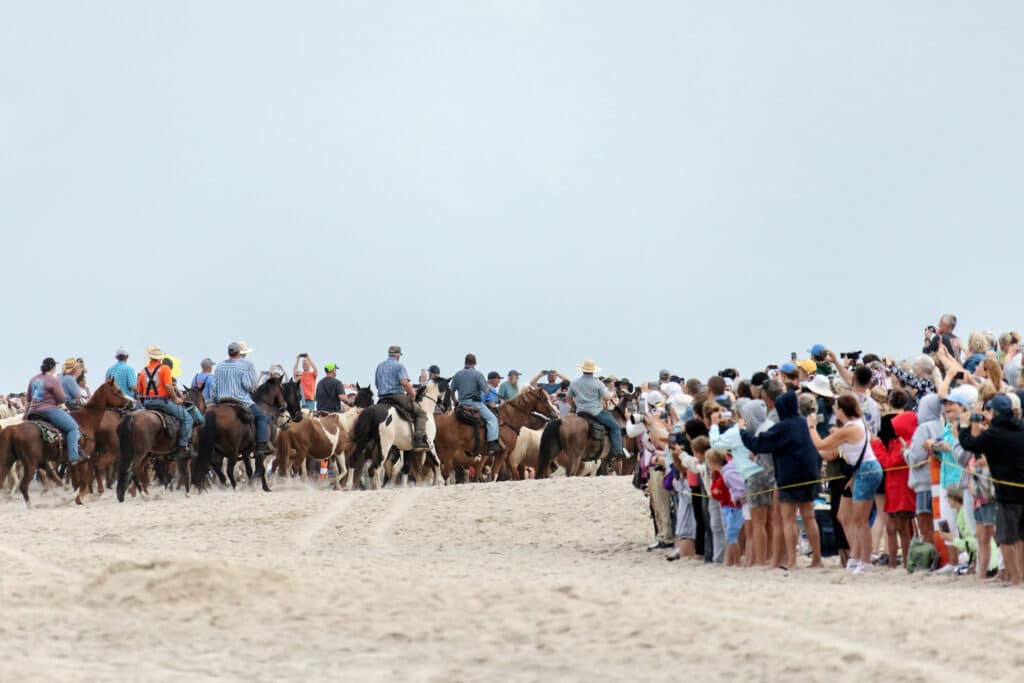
(658, 545)
(852, 564)
(861, 568)
(673, 556)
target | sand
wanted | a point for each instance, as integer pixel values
(515, 581)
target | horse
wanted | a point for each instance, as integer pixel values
(457, 441)
(380, 427)
(24, 442)
(141, 435)
(326, 436)
(229, 432)
(570, 435)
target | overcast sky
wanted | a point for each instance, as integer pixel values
(678, 184)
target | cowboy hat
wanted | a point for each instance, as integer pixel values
(243, 348)
(820, 386)
(154, 353)
(70, 364)
(588, 367)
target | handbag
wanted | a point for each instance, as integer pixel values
(848, 470)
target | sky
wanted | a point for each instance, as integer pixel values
(660, 184)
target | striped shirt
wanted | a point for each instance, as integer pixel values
(124, 377)
(389, 376)
(234, 378)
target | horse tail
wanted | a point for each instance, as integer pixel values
(282, 460)
(362, 435)
(207, 441)
(125, 455)
(550, 444)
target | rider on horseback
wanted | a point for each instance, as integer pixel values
(45, 396)
(469, 386)
(157, 392)
(587, 395)
(393, 386)
(236, 379)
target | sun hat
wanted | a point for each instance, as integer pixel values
(588, 367)
(820, 386)
(330, 367)
(238, 347)
(808, 366)
(154, 353)
(681, 402)
(69, 365)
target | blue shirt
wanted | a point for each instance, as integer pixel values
(71, 389)
(491, 396)
(469, 384)
(234, 378)
(124, 377)
(389, 376)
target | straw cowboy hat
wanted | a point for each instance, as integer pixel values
(70, 364)
(154, 353)
(588, 367)
(820, 386)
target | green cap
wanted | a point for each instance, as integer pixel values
(330, 367)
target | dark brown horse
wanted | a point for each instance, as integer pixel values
(141, 435)
(230, 433)
(570, 436)
(24, 442)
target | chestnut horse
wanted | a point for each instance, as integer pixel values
(141, 435)
(229, 432)
(24, 442)
(571, 435)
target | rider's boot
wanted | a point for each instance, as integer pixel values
(262, 448)
(495, 447)
(419, 442)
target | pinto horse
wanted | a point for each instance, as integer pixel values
(570, 436)
(141, 435)
(229, 432)
(24, 442)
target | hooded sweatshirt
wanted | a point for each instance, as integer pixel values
(796, 459)
(1003, 446)
(929, 426)
(898, 496)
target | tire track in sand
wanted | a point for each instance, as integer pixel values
(315, 525)
(378, 534)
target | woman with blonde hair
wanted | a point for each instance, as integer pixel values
(977, 346)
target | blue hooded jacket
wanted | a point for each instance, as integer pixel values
(789, 441)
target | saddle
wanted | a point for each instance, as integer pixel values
(402, 412)
(469, 415)
(244, 414)
(597, 430)
(50, 434)
(171, 423)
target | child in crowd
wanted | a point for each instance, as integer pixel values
(728, 489)
(696, 463)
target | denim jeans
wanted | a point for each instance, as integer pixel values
(197, 417)
(614, 430)
(65, 423)
(177, 411)
(489, 418)
(262, 428)
(309, 405)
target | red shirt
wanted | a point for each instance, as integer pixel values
(719, 491)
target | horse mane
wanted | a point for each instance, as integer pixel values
(265, 388)
(520, 400)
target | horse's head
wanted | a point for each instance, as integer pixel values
(109, 395)
(444, 391)
(291, 394)
(541, 402)
(194, 395)
(364, 397)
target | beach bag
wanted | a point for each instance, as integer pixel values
(922, 556)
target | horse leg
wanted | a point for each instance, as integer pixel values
(31, 464)
(231, 460)
(261, 469)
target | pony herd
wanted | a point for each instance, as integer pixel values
(368, 445)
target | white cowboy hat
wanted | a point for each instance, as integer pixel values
(820, 386)
(588, 366)
(154, 353)
(243, 348)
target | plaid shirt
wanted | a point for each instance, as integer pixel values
(234, 378)
(389, 376)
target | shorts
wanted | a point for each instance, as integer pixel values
(805, 493)
(733, 518)
(686, 521)
(924, 502)
(902, 514)
(985, 514)
(1009, 523)
(866, 480)
(759, 489)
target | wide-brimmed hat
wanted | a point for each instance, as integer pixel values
(820, 386)
(588, 367)
(155, 353)
(69, 364)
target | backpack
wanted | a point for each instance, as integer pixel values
(922, 556)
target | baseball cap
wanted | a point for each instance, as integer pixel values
(330, 367)
(957, 397)
(807, 365)
(206, 363)
(664, 374)
(514, 372)
(393, 349)
(787, 368)
(121, 351)
(434, 369)
(1000, 404)
(816, 350)
(493, 375)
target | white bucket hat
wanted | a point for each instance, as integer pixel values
(820, 386)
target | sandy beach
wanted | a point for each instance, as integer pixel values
(520, 581)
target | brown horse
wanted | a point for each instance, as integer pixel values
(456, 441)
(570, 436)
(230, 433)
(24, 442)
(141, 435)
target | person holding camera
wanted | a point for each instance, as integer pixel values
(554, 383)
(998, 434)
(306, 379)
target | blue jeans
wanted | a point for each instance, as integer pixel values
(309, 405)
(489, 419)
(65, 423)
(866, 480)
(262, 429)
(614, 430)
(177, 411)
(924, 502)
